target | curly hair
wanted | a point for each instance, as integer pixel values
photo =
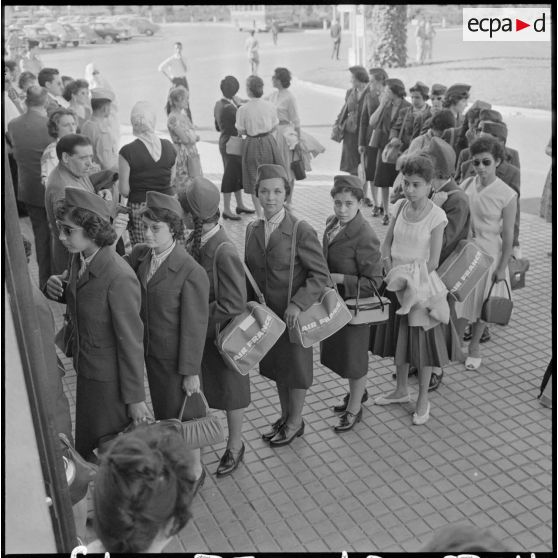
(443, 120)
(73, 87)
(25, 79)
(174, 221)
(486, 144)
(342, 189)
(54, 119)
(284, 76)
(94, 227)
(143, 483)
(420, 165)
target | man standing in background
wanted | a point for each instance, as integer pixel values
(174, 67)
(335, 33)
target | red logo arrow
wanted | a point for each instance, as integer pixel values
(519, 25)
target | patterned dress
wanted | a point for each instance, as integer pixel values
(184, 136)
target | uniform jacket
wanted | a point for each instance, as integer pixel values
(370, 103)
(104, 306)
(354, 252)
(231, 281)
(351, 111)
(413, 125)
(459, 218)
(383, 122)
(270, 265)
(29, 137)
(173, 307)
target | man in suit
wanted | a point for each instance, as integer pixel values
(375, 87)
(28, 136)
(50, 79)
(447, 195)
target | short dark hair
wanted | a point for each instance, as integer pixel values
(443, 120)
(74, 87)
(32, 43)
(255, 85)
(415, 89)
(453, 99)
(10, 64)
(284, 76)
(422, 165)
(54, 119)
(342, 188)
(47, 75)
(36, 96)
(24, 79)
(486, 144)
(360, 73)
(174, 221)
(379, 74)
(229, 86)
(68, 143)
(98, 104)
(178, 43)
(101, 232)
(397, 90)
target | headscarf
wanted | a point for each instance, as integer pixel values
(96, 80)
(143, 120)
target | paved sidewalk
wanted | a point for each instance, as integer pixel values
(484, 456)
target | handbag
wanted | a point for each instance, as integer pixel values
(338, 130)
(324, 318)
(234, 146)
(297, 166)
(392, 152)
(497, 309)
(248, 337)
(464, 268)
(64, 338)
(517, 268)
(193, 163)
(368, 310)
(79, 473)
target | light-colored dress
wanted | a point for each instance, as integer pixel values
(487, 205)
(187, 165)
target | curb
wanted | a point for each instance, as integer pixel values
(505, 110)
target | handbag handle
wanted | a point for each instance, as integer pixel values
(492, 286)
(186, 399)
(404, 122)
(358, 295)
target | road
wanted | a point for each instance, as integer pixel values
(213, 51)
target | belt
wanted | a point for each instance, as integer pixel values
(259, 135)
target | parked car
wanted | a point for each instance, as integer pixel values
(107, 31)
(67, 34)
(44, 37)
(87, 35)
(125, 30)
(144, 26)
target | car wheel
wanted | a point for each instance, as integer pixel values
(109, 39)
(149, 33)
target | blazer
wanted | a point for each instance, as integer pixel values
(104, 306)
(270, 265)
(370, 103)
(354, 252)
(231, 282)
(413, 125)
(384, 123)
(173, 307)
(459, 218)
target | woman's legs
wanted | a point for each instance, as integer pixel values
(196, 464)
(257, 206)
(283, 393)
(424, 375)
(385, 201)
(234, 424)
(356, 391)
(227, 203)
(401, 377)
(295, 406)
(477, 329)
(239, 200)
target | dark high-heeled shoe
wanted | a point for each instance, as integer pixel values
(347, 421)
(229, 462)
(231, 217)
(284, 438)
(240, 210)
(275, 427)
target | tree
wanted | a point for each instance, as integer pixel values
(387, 35)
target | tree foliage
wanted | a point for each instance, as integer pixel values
(387, 35)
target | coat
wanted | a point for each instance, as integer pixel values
(350, 157)
(370, 103)
(224, 388)
(104, 306)
(413, 125)
(354, 252)
(288, 364)
(174, 314)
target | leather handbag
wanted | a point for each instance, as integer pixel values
(79, 473)
(338, 131)
(517, 268)
(324, 318)
(369, 310)
(297, 166)
(64, 338)
(464, 268)
(392, 152)
(497, 309)
(248, 337)
(234, 146)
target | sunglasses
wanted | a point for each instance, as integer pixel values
(484, 162)
(436, 98)
(67, 230)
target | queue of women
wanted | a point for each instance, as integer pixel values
(157, 308)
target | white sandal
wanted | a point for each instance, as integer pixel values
(473, 363)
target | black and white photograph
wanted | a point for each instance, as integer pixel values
(279, 279)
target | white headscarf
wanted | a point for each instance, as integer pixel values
(95, 79)
(143, 118)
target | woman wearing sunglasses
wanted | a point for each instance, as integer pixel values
(103, 297)
(493, 206)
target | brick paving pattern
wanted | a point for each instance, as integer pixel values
(484, 457)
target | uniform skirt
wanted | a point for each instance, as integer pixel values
(288, 364)
(224, 389)
(258, 150)
(99, 412)
(232, 165)
(350, 157)
(385, 173)
(346, 351)
(165, 386)
(370, 162)
(383, 337)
